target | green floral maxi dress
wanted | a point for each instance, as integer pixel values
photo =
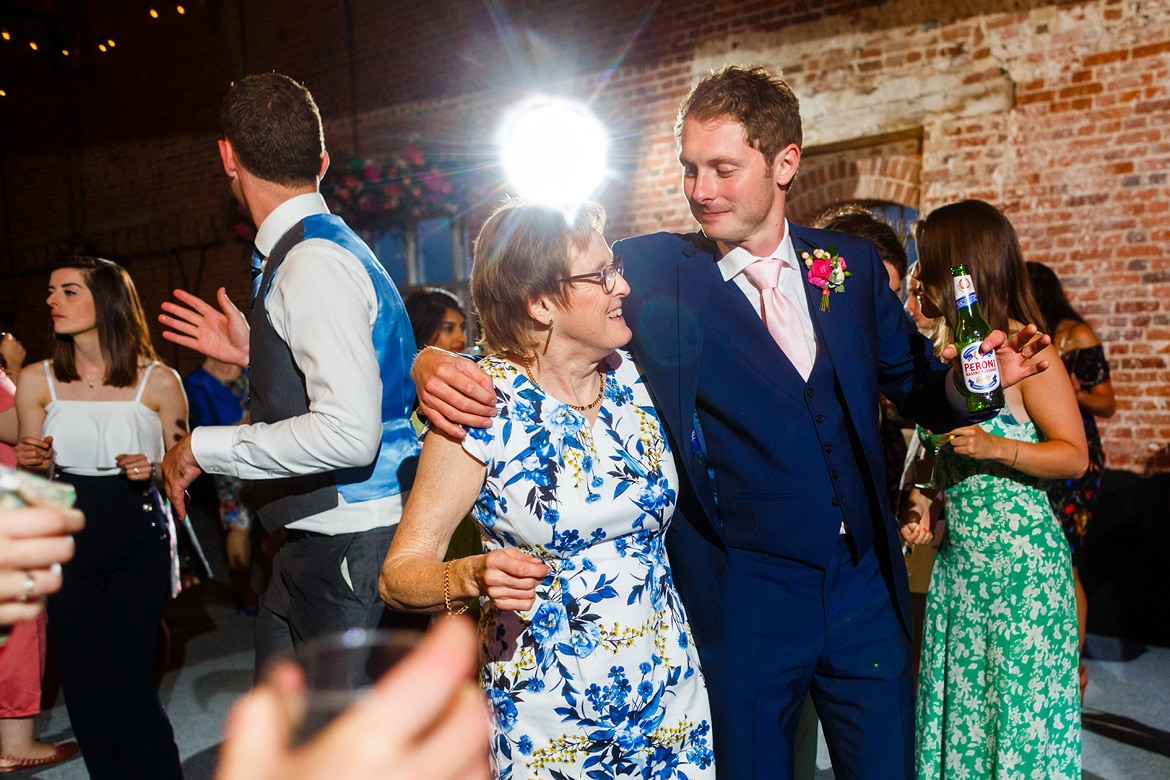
(997, 687)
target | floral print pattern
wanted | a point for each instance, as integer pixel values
(997, 688)
(599, 679)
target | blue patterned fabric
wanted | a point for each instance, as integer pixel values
(600, 678)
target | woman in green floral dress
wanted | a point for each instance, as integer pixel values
(997, 688)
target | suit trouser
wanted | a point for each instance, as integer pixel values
(785, 629)
(321, 585)
(105, 623)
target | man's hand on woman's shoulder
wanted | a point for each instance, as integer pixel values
(452, 392)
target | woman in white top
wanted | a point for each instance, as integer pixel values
(99, 415)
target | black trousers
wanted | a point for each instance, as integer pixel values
(105, 623)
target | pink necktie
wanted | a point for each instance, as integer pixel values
(779, 314)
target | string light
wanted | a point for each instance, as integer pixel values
(3, 93)
(104, 45)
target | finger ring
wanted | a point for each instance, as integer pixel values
(29, 585)
(136, 470)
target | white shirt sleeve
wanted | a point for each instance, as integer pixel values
(322, 304)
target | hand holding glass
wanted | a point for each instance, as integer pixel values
(341, 668)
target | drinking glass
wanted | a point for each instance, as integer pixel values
(341, 668)
(932, 443)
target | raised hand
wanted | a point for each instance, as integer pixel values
(1014, 355)
(221, 333)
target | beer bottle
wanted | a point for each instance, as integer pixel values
(980, 370)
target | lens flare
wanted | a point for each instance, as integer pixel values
(553, 151)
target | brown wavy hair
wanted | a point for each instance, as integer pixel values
(121, 324)
(763, 103)
(522, 253)
(976, 234)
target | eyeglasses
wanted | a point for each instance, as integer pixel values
(606, 277)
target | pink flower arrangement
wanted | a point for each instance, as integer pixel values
(375, 193)
(827, 270)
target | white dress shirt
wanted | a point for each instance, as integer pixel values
(791, 285)
(321, 303)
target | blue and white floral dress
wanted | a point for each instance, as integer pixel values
(600, 678)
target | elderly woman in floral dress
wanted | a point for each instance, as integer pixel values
(589, 663)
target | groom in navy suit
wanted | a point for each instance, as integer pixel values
(784, 547)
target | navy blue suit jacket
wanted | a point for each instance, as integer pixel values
(874, 349)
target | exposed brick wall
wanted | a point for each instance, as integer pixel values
(880, 169)
(1055, 112)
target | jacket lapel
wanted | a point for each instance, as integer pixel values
(828, 337)
(837, 330)
(694, 270)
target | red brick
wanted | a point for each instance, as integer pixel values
(1152, 50)
(1105, 58)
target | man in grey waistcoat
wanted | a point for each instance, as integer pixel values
(329, 450)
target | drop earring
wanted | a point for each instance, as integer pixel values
(548, 338)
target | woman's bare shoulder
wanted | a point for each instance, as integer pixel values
(163, 380)
(33, 375)
(1081, 335)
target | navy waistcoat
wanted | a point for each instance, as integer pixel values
(784, 451)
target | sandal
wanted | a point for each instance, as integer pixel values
(60, 752)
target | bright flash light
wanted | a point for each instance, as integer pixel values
(553, 151)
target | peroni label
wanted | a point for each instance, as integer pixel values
(980, 369)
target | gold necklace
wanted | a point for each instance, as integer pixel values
(587, 407)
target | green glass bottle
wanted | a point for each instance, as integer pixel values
(980, 380)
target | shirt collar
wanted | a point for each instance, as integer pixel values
(285, 216)
(735, 259)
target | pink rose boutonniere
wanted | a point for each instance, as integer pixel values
(826, 269)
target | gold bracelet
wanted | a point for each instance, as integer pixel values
(447, 592)
(1016, 456)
